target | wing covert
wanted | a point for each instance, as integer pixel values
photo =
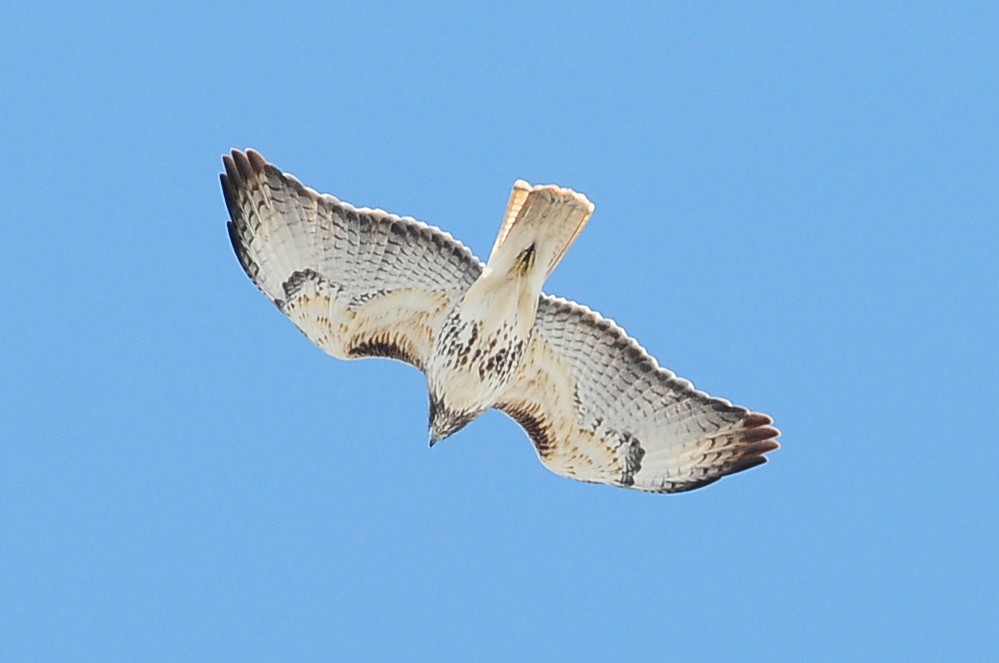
(599, 408)
(357, 282)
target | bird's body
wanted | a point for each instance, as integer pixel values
(485, 336)
(363, 283)
(475, 356)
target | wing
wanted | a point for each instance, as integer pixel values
(598, 408)
(357, 282)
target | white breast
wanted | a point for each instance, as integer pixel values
(481, 344)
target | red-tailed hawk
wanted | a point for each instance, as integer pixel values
(364, 283)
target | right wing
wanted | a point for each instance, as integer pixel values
(600, 409)
(356, 282)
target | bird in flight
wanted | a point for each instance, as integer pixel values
(361, 282)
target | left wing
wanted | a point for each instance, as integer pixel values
(599, 408)
(357, 282)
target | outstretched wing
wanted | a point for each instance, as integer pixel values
(357, 282)
(598, 408)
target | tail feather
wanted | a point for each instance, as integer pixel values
(518, 195)
(560, 214)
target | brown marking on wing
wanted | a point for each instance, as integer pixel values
(598, 408)
(384, 345)
(358, 282)
(534, 424)
(395, 325)
(542, 404)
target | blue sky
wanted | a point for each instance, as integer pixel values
(796, 210)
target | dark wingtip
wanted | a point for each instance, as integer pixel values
(239, 248)
(237, 244)
(229, 195)
(760, 433)
(689, 486)
(229, 163)
(758, 439)
(255, 159)
(757, 419)
(746, 463)
(242, 165)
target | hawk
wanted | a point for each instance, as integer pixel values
(361, 282)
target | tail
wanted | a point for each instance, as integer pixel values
(551, 213)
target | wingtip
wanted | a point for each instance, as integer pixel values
(759, 428)
(256, 160)
(757, 419)
(246, 160)
(760, 433)
(230, 170)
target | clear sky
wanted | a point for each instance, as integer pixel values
(797, 210)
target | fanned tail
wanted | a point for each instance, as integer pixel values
(550, 211)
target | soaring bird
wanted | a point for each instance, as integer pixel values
(361, 282)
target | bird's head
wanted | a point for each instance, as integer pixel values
(444, 421)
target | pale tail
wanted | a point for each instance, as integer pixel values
(558, 213)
